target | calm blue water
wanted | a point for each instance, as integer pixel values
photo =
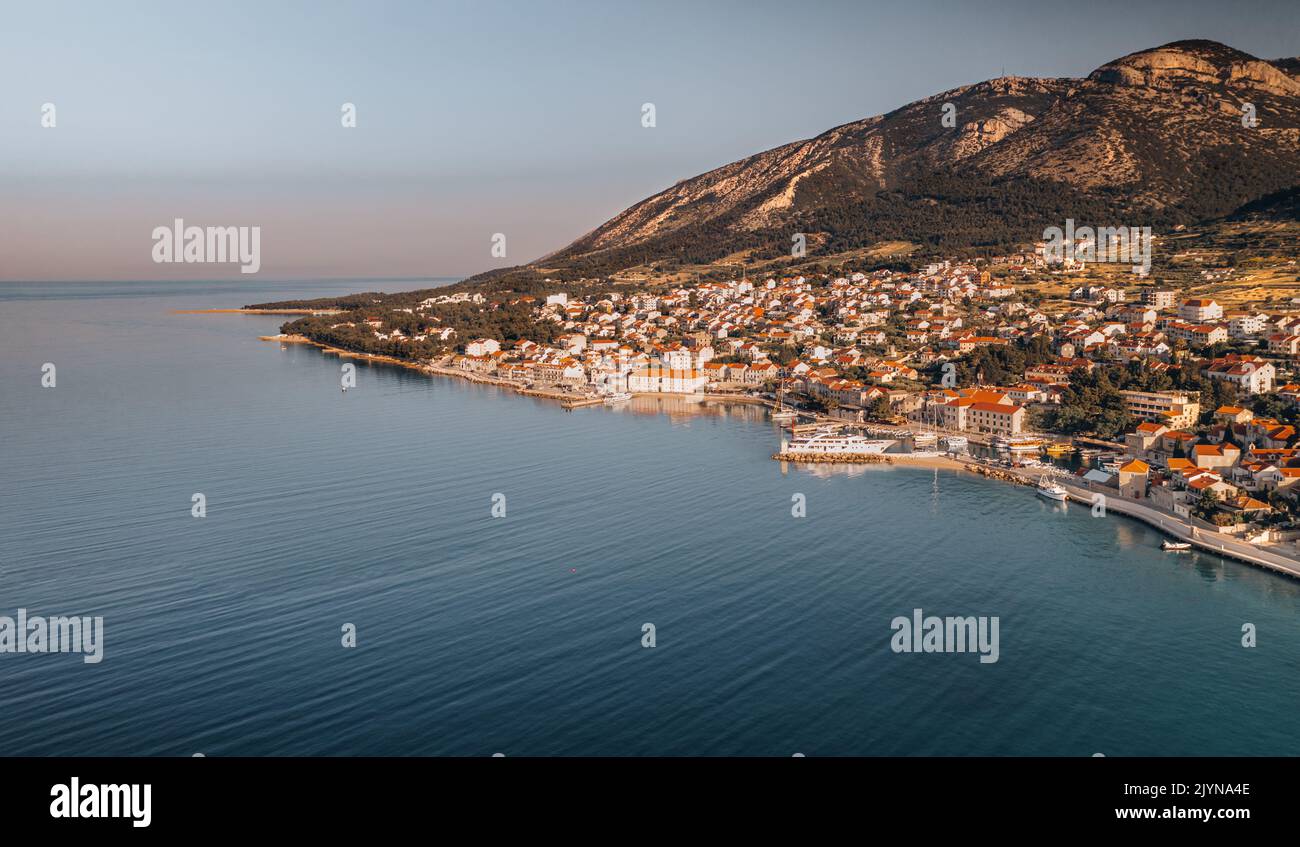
(522, 634)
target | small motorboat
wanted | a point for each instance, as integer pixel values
(1175, 546)
(955, 443)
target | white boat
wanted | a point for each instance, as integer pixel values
(1050, 490)
(618, 397)
(1175, 545)
(922, 438)
(782, 413)
(828, 443)
(955, 443)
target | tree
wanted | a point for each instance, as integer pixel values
(1206, 504)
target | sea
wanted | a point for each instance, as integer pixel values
(420, 566)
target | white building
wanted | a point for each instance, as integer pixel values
(1199, 310)
(651, 380)
(1247, 325)
(482, 346)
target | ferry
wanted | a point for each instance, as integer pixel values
(1050, 490)
(829, 443)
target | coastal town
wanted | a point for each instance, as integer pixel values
(1131, 388)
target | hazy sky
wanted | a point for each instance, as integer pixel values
(472, 118)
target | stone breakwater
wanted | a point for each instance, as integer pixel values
(837, 458)
(904, 460)
(998, 474)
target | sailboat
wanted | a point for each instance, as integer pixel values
(925, 437)
(782, 413)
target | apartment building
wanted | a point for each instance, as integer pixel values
(1174, 409)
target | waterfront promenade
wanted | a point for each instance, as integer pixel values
(1176, 527)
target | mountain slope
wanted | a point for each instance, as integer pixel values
(1156, 137)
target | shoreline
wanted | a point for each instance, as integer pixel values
(257, 311)
(568, 400)
(1228, 548)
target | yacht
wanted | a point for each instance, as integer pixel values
(1176, 546)
(829, 443)
(955, 443)
(618, 397)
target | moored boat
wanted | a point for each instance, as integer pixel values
(1050, 490)
(828, 442)
(1175, 545)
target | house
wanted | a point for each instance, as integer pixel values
(715, 371)
(1145, 437)
(1200, 310)
(952, 408)
(1214, 456)
(1250, 374)
(1233, 414)
(1133, 479)
(1176, 441)
(1246, 505)
(761, 372)
(1284, 344)
(482, 347)
(997, 418)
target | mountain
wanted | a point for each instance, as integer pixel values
(1152, 138)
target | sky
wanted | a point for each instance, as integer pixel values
(472, 119)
